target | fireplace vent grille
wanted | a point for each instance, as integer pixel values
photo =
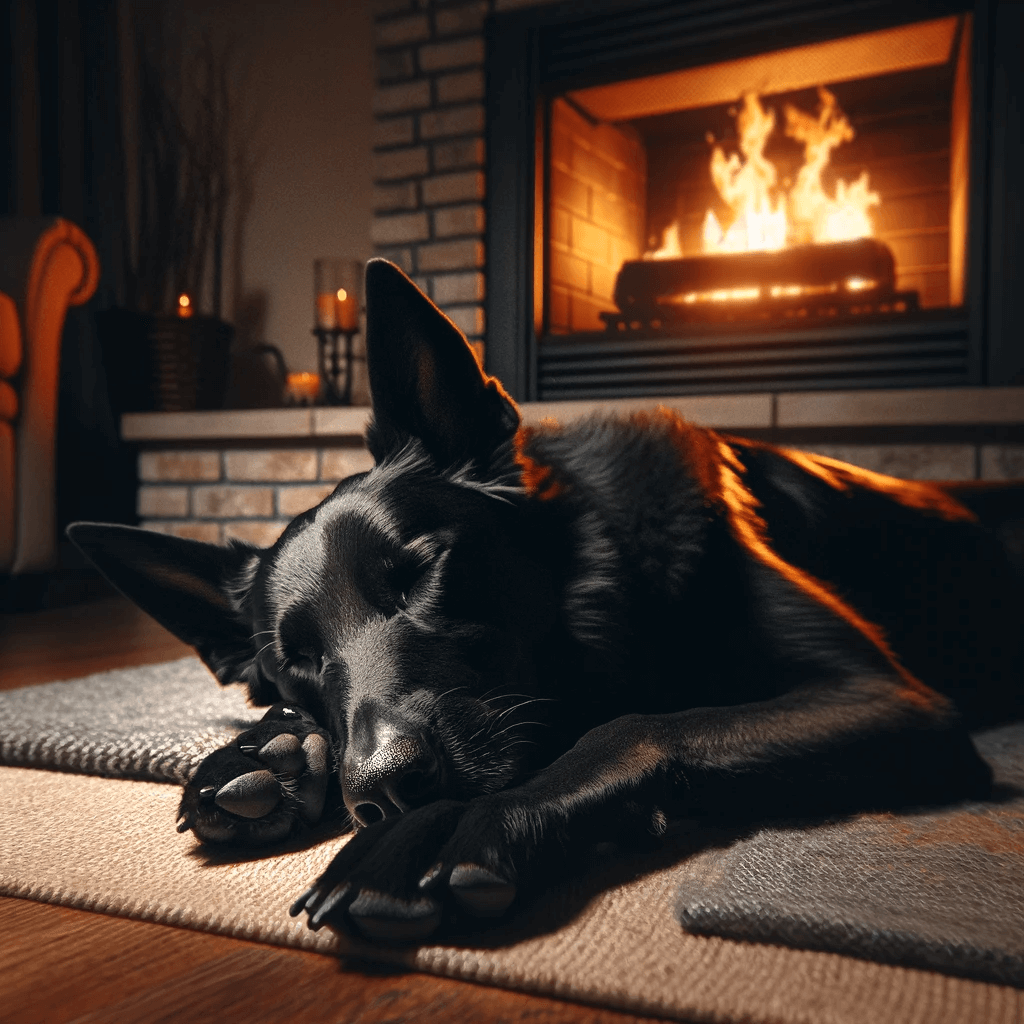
(929, 354)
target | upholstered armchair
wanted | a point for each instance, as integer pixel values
(46, 265)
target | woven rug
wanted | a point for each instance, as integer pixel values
(941, 889)
(612, 937)
(153, 722)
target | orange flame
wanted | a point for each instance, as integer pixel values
(816, 216)
(767, 217)
(747, 186)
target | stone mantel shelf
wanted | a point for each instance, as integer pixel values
(918, 407)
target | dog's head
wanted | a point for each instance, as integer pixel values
(405, 610)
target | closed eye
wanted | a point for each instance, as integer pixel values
(305, 664)
(402, 578)
(407, 568)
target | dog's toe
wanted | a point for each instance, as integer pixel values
(480, 892)
(214, 830)
(259, 788)
(253, 795)
(283, 754)
(386, 918)
(312, 789)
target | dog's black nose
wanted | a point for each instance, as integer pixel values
(395, 777)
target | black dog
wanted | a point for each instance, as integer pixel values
(513, 641)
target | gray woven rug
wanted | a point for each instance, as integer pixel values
(155, 722)
(939, 890)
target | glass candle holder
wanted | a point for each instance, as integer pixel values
(338, 286)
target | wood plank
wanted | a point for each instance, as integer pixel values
(63, 965)
(63, 643)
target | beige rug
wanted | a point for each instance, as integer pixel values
(109, 845)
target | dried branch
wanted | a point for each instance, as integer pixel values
(188, 169)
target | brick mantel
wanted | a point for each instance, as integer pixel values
(243, 475)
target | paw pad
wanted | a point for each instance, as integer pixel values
(283, 754)
(480, 892)
(390, 919)
(259, 788)
(253, 795)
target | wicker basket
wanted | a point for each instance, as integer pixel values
(165, 363)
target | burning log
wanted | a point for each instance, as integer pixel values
(857, 271)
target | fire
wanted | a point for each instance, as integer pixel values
(768, 217)
(747, 187)
(817, 217)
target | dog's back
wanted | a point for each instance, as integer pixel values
(910, 557)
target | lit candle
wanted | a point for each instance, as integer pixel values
(302, 388)
(326, 314)
(347, 310)
(184, 305)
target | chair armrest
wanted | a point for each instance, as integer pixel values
(46, 264)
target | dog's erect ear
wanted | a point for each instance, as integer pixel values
(425, 380)
(184, 584)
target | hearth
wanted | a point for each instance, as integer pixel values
(700, 197)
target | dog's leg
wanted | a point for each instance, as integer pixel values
(839, 746)
(258, 789)
(841, 727)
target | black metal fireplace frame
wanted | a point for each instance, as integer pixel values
(540, 51)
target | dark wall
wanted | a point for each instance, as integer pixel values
(1006, 250)
(61, 121)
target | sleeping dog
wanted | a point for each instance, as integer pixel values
(507, 642)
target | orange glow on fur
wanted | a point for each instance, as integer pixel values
(749, 529)
(910, 493)
(538, 480)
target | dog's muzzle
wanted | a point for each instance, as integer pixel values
(398, 775)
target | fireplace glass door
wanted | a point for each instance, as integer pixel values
(796, 217)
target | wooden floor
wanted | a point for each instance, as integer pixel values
(60, 965)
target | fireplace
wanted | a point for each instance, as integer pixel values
(695, 198)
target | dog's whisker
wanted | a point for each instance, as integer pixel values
(486, 698)
(514, 725)
(523, 704)
(447, 693)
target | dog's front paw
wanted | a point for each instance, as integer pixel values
(262, 786)
(399, 879)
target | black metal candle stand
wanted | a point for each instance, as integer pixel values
(336, 362)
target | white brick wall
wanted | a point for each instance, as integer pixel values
(251, 494)
(429, 138)
(238, 494)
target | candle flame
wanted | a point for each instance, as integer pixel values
(342, 295)
(184, 300)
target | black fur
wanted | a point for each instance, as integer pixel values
(517, 641)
